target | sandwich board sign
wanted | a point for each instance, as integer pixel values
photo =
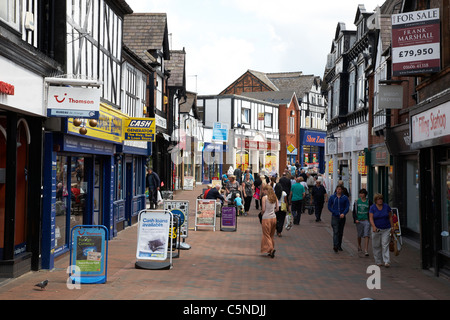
(89, 254)
(153, 238)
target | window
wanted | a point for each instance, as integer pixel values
(268, 120)
(351, 91)
(291, 125)
(360, 98)
(118, 181)
(336, 88)
(9, 12)
(245, 115)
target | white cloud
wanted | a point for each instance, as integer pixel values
(224, 38)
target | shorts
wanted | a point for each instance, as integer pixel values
(363, 229)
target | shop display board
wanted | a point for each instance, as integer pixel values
(205, 214)
(228, 219)
(153, 238)
(89, 254)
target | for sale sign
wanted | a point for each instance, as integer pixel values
(416, 42)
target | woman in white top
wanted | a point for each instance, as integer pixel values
(269, 221)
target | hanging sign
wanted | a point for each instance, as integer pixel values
(416, 42)
(140, 129)
(73, 102)
(89, 251)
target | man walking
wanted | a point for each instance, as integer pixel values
(319, 195)
(338, 204)
(152, 183)
(296, 198)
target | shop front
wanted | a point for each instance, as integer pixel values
(312, 150)
(79, 179)
(258, 154)
(430, 136)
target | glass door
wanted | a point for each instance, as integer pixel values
(98, 182)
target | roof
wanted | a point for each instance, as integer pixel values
(143, 32)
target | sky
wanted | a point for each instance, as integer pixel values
(225, 38)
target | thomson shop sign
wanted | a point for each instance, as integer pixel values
(73, 102)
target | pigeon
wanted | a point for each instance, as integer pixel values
(42, 284)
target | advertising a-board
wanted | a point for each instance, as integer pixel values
(153, 235)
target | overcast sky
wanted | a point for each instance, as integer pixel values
(225, 38)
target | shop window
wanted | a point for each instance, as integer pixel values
(118, 181)
(78, 189)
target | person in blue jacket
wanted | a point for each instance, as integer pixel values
(338, 204)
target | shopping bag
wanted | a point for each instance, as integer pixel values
(288, 224)
(159, 199)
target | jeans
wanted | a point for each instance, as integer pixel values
(380, 245)
(297, 210)
(337, 224)
(318, 210)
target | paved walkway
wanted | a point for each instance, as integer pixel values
(229, 266)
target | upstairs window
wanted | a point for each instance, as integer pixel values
(9, 12)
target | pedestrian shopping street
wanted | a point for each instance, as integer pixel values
(229, 266)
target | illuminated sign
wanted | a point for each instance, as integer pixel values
(70, 102)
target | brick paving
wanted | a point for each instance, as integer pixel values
(229, 266)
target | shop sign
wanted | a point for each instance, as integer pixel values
(140, 129)
(313, 138)
(433, 123)
(416, 42)
(6, 88)
(390, 97)
(220, 132)
(362, 168)
(109, 125)
(73, 102)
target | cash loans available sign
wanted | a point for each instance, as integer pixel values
(416, 42)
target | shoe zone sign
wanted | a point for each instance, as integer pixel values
(73, 102)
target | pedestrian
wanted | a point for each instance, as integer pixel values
(320, 196)
(247, 190)
(380, 217)
(307, 195)
(285, 183)
(238, 174)
(232, 185)
(257, 194)
(152, 183)
(295, 199)
(361, 219)
(282, 209)
(269, 221)
(214, 193)
(344, 189)
(338, 205)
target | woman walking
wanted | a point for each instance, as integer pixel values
(247, 189)
(380, 217)
(269, 221)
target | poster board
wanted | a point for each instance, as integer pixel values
(180, 208)
(89, 254)
(153, 235)
(188, 183)
(228, 219)
(205, 214)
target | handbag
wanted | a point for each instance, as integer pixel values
(394, 245)
(288, 224)
(283, 206)
(260, 217)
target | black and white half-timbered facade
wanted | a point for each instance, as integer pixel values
(348, 102)
(83, 164)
